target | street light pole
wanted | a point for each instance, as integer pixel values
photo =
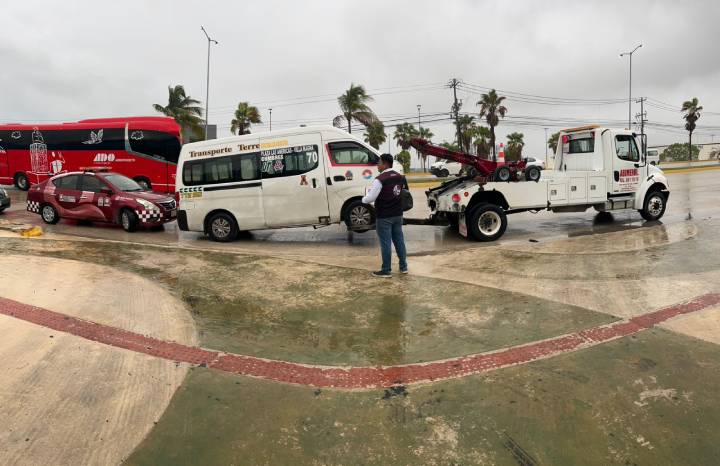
(207, 83)
(419, 131)
(630, 54)
(270, 119)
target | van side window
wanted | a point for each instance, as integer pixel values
(240, 167)
(289, 161)
(351, 153)
(626, 148)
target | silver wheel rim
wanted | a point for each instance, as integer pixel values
(48, 214)
(125, 220)
(22, 182)
(143, 184)
(489, 223)
(655, 205)
(220, 228)
(360, 216)
(503, 175)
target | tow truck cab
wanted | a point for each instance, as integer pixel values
(592, 167)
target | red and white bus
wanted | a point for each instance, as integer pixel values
(145, 149)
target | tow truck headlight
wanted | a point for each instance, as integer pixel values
(147, 204)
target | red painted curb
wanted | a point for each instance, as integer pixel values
(350, 377)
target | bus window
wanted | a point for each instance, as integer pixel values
(155, 143)
(100, 139)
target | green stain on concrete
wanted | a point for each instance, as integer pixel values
(318, 314)
(648, 399)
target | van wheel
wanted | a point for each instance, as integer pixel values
(128, 220)
(144, 183)
(21, 182)
(358, 216)
(532, 173)
(502, 174)
(654, 206)
(222, 227)
(49, 214)
(486, 222)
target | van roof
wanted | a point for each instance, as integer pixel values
(278, 133)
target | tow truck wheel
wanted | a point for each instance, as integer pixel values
(654, 206)
(358, 216)
(486, 222)
(502, 174)
(222, 227)
(128, 220)
(532, 173)
(49, 214)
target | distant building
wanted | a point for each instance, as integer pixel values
(708, 151)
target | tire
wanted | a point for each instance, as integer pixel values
(222, 227)
(532, 173)
(144, 183)
(128, 220)
(444, 173)
(472, 171)
(358, 215)
(49, 214)
(486, 222)
(21, 182)
(502, 174)
(654, 206)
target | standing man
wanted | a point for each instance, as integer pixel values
(385, 193)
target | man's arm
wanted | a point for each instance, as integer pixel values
(373, 193)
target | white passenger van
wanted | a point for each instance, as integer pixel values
(309, 176)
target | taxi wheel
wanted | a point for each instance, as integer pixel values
(49, 214)
(128, 220)
(222, 227)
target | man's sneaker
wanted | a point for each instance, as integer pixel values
(381, 274)
(404, 271)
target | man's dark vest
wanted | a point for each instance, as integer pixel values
(389, 202)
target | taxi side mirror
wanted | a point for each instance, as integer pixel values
(107, 191)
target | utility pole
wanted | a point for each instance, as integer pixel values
(546, 144)
(207, 84)
(642, 116)
(454, 82)
(270, 119)
(630, 54)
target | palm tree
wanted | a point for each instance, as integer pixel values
(482, 144)
(467, 132)
(404, 132)
(692, 109)
(375, 134)
(553, 141)
(245, 115)
(184, 109)
(426, 134)
(353, 104)
(492, 109)
(515, 145)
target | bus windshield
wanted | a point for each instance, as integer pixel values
(123, 183)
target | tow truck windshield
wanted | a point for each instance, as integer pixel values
(123, 183)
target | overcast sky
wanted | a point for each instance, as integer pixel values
(63, 61)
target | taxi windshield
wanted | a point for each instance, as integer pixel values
(123, 183)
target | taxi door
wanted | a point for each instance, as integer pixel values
(94, 201)
(293, 181)
(67, 195)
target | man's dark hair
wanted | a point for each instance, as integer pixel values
(388, 159)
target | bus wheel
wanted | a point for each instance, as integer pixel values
(128, 220)
(49, 214)
(222, 227)
(359, 217)
(144, 183)
(486, 222)
(22, 182)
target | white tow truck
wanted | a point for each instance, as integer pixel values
(593, 167)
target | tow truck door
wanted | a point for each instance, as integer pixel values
(626, 176)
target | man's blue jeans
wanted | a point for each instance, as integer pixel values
(390, 230)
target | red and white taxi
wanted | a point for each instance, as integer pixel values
(100, 197)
